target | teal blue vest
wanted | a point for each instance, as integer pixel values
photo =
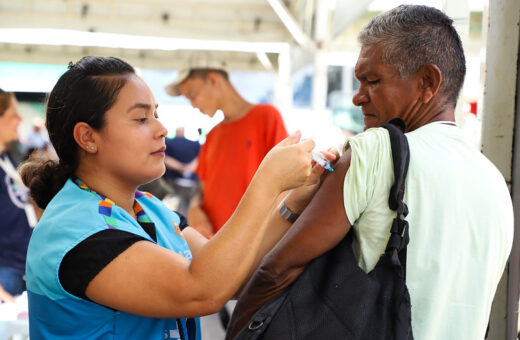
(72, 216)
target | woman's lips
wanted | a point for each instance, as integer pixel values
(160, 152)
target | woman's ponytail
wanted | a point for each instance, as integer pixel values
(44, 178)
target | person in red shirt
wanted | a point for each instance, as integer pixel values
(233, 149)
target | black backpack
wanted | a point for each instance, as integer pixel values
(334, 298)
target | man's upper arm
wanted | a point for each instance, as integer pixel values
(321, 226)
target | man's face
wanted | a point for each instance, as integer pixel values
(201, 94)
(383, 94)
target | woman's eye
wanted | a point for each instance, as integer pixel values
(141, 120)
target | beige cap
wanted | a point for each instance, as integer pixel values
(200, 62)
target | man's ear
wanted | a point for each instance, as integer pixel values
(214, 78)
(84, 136)
(431, 78)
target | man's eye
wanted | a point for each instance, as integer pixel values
(372, 81)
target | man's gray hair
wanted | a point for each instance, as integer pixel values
(412, 36)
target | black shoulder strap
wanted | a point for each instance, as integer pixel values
(399, 237)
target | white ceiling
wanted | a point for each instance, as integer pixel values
(232, 20)
(199, 19)
(236, 20)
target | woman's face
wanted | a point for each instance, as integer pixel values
(131, 145)
(9, 122)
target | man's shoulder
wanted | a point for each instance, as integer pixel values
(373, 136)
(264, 109)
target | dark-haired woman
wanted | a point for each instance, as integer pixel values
(109, 262)
(14, 206)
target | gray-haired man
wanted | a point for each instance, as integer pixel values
(411, 66)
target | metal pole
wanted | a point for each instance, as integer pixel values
(514, 260)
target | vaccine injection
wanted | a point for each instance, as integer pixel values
(321, 160)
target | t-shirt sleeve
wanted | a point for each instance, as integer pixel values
(276, 130)
(83, 262)
(364, 183)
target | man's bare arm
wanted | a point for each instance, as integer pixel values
(320, 227)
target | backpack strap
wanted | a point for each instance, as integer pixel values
(399, 236)
(191, 328)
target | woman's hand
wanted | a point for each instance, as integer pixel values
(288, 165)
(299, 198)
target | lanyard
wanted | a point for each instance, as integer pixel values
(108, 203)
(9, 169)
(11, 172)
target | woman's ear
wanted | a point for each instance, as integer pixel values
(431, 78)
(84, 137)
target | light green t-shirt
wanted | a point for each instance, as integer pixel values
(461, 225)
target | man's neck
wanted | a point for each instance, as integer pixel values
(429, 114)
(237, 112)
(234, 106)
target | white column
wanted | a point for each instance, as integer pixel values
(283, 97)
(499, 74)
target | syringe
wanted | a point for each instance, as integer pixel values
(321, 160)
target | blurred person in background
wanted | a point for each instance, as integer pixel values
(35, 139)
(233, 149)
(181, 161)
(15, 208)
(107, 261)
(36, 142)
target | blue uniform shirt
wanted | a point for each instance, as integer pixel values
(73, 215)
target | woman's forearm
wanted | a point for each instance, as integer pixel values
(227, 259)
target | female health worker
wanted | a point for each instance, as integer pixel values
(109, 262)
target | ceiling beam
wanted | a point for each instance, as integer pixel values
(292, 26)
(125, 41)
(170, 60)
(186, 28)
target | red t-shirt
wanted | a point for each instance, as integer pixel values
(229, 159)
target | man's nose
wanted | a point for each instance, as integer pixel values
(360, 97)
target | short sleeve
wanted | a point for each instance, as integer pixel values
(276, 130)
(183, 221)
(369, 174)
(83, 262)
